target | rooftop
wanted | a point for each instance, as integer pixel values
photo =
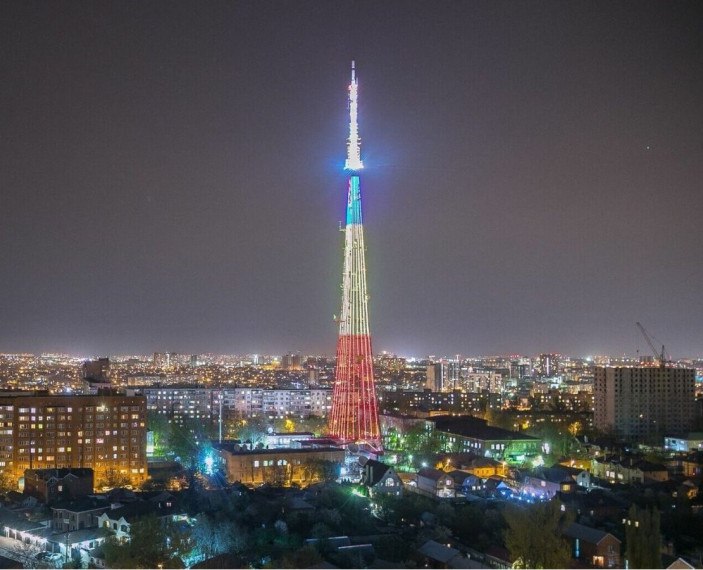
(470, 426)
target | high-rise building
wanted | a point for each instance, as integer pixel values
(641, 403)
(549, 365)
(97, 370)
(292, 361)
(436, 376)
(105, 433)
(354, 414)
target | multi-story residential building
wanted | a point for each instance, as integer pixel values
(488, 381)
(104, 433)
(644, 402)
(455, 401)
(179, 402)
(256, 402)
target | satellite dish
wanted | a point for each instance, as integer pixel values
(363, 460)
(353, 448)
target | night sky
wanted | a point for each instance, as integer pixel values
(171, 175)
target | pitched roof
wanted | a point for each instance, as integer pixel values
(83, 504)
(431, 473)
(132, 511)
(438, 552)
(46, 474)
(374, 472)
(586, 533)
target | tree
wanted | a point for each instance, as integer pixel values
(7, 482)
(148, 547)
(113, 478)
(643, 538)
(304, 557)
(159, 426)
(211, 537)
(534, 535)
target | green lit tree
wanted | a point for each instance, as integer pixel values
(534, 535)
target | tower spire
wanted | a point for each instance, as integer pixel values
(353, 161)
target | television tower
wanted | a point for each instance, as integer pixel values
(354, 416)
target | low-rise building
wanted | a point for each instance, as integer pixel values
(435, 483)
(50, 485)
(467, 433)
(120, 518)
(593, 547)
(380, 478)
(282, 466)
(76, 515)
(465, 482)
(628, 470)
(693, 441)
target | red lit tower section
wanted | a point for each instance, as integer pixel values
(354, 416)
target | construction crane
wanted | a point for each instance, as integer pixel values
(661, 356)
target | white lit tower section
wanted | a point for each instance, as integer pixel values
(354, 415)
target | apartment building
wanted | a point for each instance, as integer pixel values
(643, 403)
(104, 433)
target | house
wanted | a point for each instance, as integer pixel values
(51, 485)
(598, 504)
(439, 555)
(119, 518)
(78, 514)
(544, 483)
(435, 483)
(680, 564)
(628, 470)
(77, 545)
(688, 465)
(485, 467)
(21, 529)
(465, 482)
(378, 477)
(580, 475)
(592, 546)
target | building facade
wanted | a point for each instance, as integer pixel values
(278, 466)
(104, 433)
(641, 403)
(198, 403)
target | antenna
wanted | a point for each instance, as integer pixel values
(353, 161)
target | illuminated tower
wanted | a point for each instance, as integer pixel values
(354, 416)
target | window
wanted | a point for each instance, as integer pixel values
(390, 482)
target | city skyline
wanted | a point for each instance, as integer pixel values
(172, 176)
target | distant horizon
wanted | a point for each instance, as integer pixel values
(415, 356)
